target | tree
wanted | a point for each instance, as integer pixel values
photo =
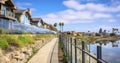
(112, 34)
(55, 24)
(100, 31)
(61, 24)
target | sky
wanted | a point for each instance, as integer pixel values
(77, 15)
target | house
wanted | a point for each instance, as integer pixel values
(51, 27)
(37, 22)
(23, 16)
(7, 15)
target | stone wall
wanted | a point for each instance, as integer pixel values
(21, 55)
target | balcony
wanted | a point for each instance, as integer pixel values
(7, 14)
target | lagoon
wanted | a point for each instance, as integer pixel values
(110, 50)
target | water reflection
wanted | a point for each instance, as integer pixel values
(110, 50)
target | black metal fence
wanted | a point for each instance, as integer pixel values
(71, 49)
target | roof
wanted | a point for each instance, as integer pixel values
(8, 2)
(19, 11)
(23, 12)
(36, 19)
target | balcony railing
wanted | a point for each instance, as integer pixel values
(7, 14)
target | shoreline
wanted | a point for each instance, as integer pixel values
(108, 39)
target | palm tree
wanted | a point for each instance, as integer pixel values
(55, 24)
(62, 24)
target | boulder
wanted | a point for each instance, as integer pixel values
(1, 52)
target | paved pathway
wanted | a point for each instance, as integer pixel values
(44, 54)
(54, 57)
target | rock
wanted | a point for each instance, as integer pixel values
(13, 61)
(6, 59)
(17, 58)
(1, 52)
(16, 55)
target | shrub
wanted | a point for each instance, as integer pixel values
(41, 36)
(112, 34)
(12, 40)
(3, 31)
(3, 43)
(26, 39)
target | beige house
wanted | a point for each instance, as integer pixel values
(7, 15)
(7, 9)
(23, 16)
(37, 22)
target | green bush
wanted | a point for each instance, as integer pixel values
(112, 34)
(3, 43)
(3, 31)
(41, 36)
(12, 40)
(26, 39)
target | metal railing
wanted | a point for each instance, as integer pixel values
(69, 44)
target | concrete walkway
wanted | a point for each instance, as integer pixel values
(44, 54)
(54, 56)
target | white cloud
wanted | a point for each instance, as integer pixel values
(115, 2)
(71, 16)
(102, 15)
(32, 9)
(90, 6)
(112, 20)
(73, 4)
(118, 15)
(23, 4)
(82, 13)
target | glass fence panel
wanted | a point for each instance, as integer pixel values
(18, 27)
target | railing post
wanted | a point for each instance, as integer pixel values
(68, 48)
(71, 49)
(99, 53)
(75, 51)
(63, 41)
(83, 54)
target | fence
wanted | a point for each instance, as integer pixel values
(16, 27)
(77, 54)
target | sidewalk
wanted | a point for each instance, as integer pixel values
(44, 54)
(54, 57)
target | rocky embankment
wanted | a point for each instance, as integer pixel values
(21, 55)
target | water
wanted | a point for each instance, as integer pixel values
(110, 50)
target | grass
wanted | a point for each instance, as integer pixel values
(3, 43)
(21, 40)
(61, 53)
(26, 39)
(3, 31)
(42, 36)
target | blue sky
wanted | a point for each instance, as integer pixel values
(78, 15)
